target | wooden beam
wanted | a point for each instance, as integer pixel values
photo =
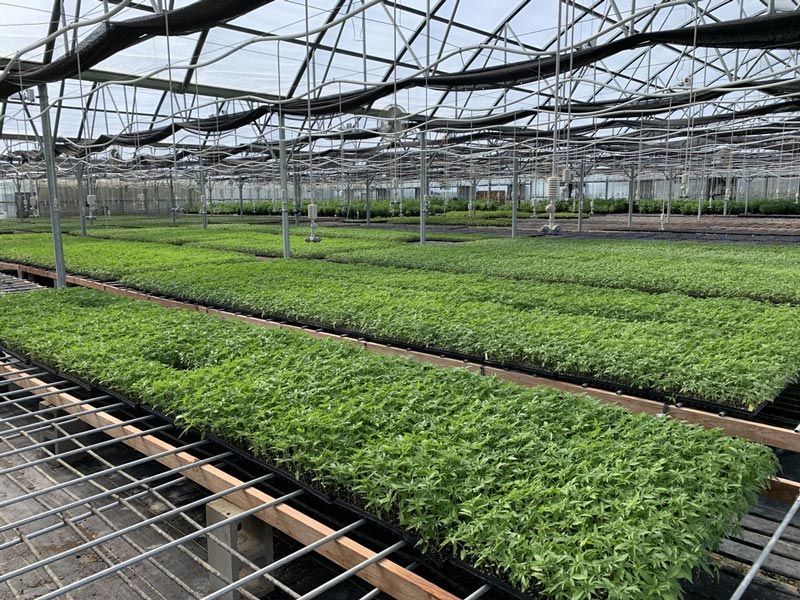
(783, 490)
(770, 435)
(385, 575)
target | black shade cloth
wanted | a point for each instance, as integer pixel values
(114, 36)
(614, 111)
(781, 30)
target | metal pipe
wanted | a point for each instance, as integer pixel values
(148, 555)
(115, 534)
(298, 197)
(23, 378)
(111, 492)
(351, 571)
(52, 186)
(580, 198)
(479, 592)
(751, 574)
(38, 426)
(81, 197)
(204, 199)
(700, 198)
(33, 388)
(75, 435)
(375, 591)
(241, 199)
(6, 381)
(283, 561)
(90, 476)
(8, 401)
(368, 202)
(514, 198)
(178, 541)
(284, 185)
(76, 530)
(83, 536)
(746, 194)
(28, 413)
(103, 444)
(173, 199)
(423, 184)
(85, 515)
(631, 194)
(670, 178)
(128, 505)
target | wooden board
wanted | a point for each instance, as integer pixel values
(386, 575)
(776, 437)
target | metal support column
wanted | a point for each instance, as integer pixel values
(728, 195)
(298, 197)
(747, 193)
(52, 186)
(473, 195)
(250, 537)
(241, 199)
(368, 203)
(80, 191)
(631, 194)
(701, 198)
(514, 198)
(203, 199)
(423, 183)
(284, 167)
(173, 200)
(670, 177)
(581, 194)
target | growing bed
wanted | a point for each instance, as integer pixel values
(759, 272)
(267, 240)
(733, 352)
(553, 492)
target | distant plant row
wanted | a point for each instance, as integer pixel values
(356, 209)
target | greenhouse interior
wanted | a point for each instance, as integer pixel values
(412, 299)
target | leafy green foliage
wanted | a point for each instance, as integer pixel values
(735, 352)
(554, 492)
(713, 207)
(759, 272)
(72, 223)
(268, 241)
(107, 259)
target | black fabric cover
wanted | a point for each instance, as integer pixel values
(773, 31)
(110, 38)
(781, 30)
(614, 111)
